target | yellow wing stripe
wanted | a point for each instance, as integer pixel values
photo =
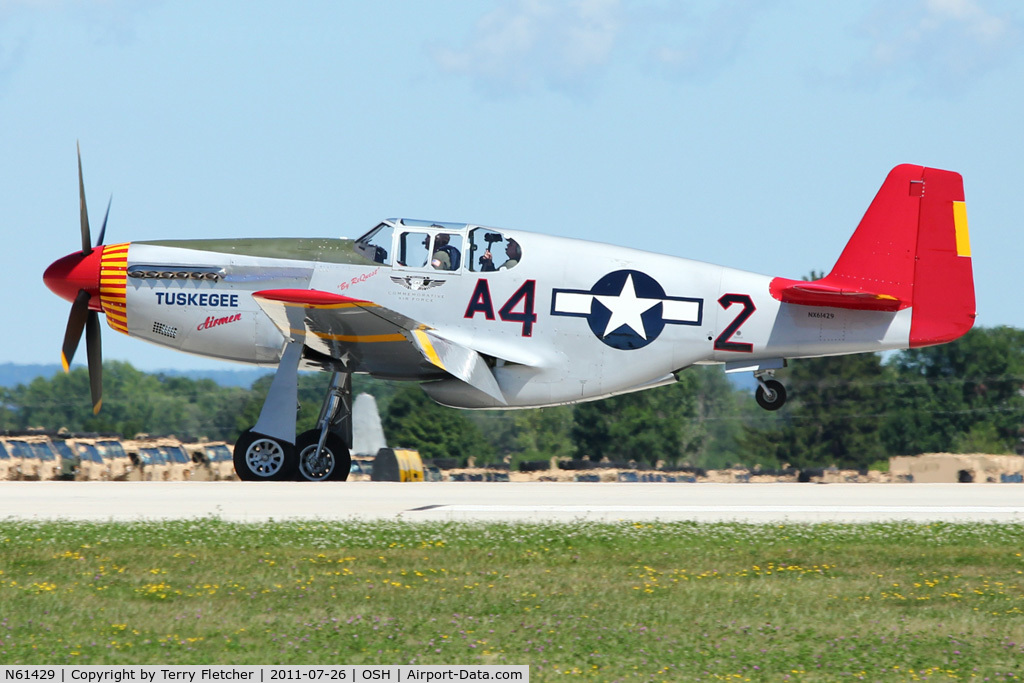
(114, 285)
(355, 338)
(963, 241)
(428, 348)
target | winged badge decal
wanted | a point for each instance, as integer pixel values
(417, 282)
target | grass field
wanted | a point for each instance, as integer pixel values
(603, 602)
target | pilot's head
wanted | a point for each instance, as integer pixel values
(513, 250)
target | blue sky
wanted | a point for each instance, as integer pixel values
(751, 134)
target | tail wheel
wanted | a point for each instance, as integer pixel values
(771, 395)
(261, 458)
(331, 463)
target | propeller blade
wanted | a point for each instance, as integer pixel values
(103, 228)
(73, 332)
(95, 353)
(86, 238)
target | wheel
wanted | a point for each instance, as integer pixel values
(774, 397)
(333, 462)
(261, 458)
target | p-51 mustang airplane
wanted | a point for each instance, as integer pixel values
(496, 318)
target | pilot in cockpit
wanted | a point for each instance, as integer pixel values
(446, 257)
(512, 250)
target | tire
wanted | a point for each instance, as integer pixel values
(333, 464)
(261, 458)
(774, 398)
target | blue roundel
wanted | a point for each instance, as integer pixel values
(626, 311)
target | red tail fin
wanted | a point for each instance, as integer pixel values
(944, 306)
(910, 249)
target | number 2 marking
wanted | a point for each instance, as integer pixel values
(724, 341)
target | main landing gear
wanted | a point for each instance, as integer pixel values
(270, 451)
(324, 453)
(771, 394)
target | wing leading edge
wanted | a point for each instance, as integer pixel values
(368, 337)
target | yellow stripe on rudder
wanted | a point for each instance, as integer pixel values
(963, 240)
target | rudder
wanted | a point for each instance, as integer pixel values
(944, 305)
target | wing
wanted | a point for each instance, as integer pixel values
(367, 337)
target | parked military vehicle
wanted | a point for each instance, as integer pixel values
(159, 458)
(212, 461)
(37, 459)
(148, 462)
(23, 457)
(115, 456)
(9, 466)
(91, 465)
(181, 464)
(91, 462)
(222, 461)
(70, 459)
(49, 459)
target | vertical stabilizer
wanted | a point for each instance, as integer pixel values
(911, 249)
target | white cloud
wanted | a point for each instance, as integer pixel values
(525, 44)
(568, 45)
(105, 22)
(710, 43)
(937, 45)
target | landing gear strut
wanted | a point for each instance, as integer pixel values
(270, 450)
(771, 394)
(324, 453)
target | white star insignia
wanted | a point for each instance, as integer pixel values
(627, 309)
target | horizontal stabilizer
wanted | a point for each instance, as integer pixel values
(821, 294)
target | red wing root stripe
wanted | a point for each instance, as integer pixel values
(113, 285)
(311, 298)
(315, 299)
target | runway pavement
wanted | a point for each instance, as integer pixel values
(547, 501)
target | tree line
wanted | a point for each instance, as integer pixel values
(849, 411)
